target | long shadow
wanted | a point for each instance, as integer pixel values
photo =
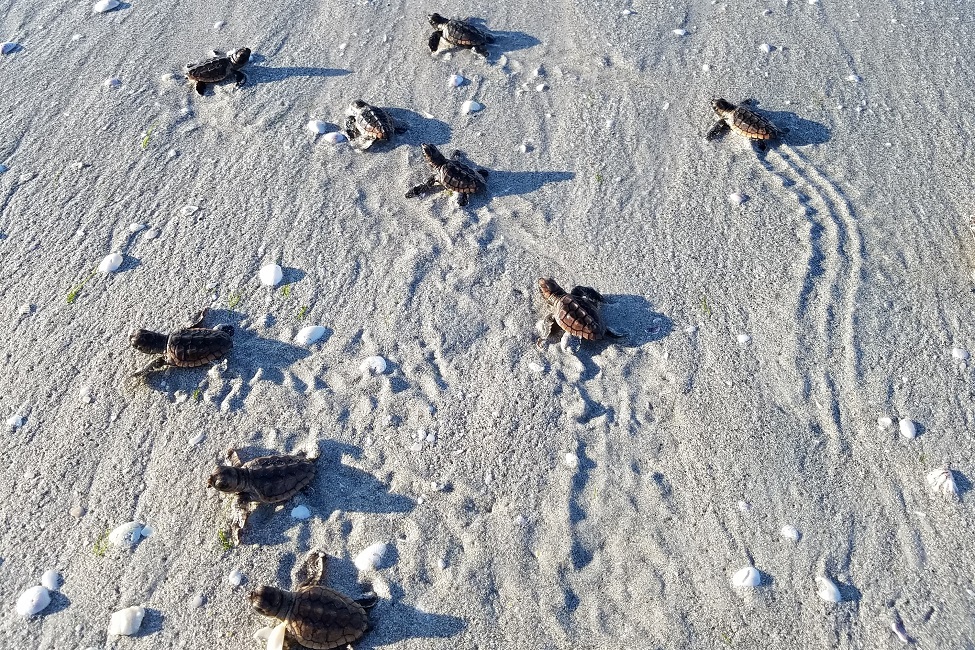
(962, 482)
(503, 41)
(261, 74)
(580, 556)
(502, 183)
(394, 621)
(419, 129)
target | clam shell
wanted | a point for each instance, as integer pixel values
(275, 640)
(127, 535)
(747, 576)
(271, 275)
(300, 512)
(102, 6)
(51, 579)
(335, 137)
(310, 334)
(33, 601)
(827, 590)
(470, 106)
(317, 126)
(372, 366)
(126, 622)
(372, 556)
(908, 429)
(942, 482)
(790, 533)
(110, 263)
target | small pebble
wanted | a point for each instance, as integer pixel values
(960, 353)
(748, 576)
(690, 329)
(372, 557)
(310, 334)
(112, 82)
(765, 47)
(706, 67)
(199, 601)
(884, 422)
(136, 227)
(15, 422)
(85, 395)
(187, 210)
(271, 275)
(77, 512)
(335, 137)
(470, 106)
(300, 512)
(317, 126)
(908, 429)
(790, 533)
(110, 263)
(827, 590)
(737, 198)
(236, 578)
(51, 580)
(102, 6)
(126, 622)
(33, 601)
(680, 32)
(853, 78)
(373, 366)
(536, 367)
(9, 48)
(744, 339)
(456, 80)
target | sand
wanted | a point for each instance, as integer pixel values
(849, 267)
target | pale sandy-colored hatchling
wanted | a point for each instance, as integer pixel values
(185, 348)
(313, 615)
(453, 175)
(217, 68)
(577, 313)
(268, 479)
(459, 33)
(367, 124)
(745, 122)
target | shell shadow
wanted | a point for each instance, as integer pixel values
(151, 623)
(59, 603)
(394, 621)
(962, 482)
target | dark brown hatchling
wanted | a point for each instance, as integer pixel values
(268, 479)
(367, 124)
(745, 122)
(185, 348)
(313, 615)
(576, 313)
(217, 68)
(453, 175)
(458, 33)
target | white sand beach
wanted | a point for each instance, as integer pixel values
(536, 499)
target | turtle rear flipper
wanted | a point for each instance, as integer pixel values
(424, 188)
(615, 335)
(368, 601)
(588, 293)
(482, 50)
(241, 78)
(201, 87)
(719, 129)
(434, 41)
(462, 199)
(483, 173)
(159, 363)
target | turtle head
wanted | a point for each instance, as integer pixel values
(226, 329)
(433, 155)
(722, 106)
(225, 479)
(147, 341)
(239, 58)
(269, 601)
(551, 291)
(437, 21)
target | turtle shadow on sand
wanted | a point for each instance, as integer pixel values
(504, 42)
(419, 129)
(260, 74)
(394, 621)
(504, 183)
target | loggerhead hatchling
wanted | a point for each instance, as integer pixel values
(452, 175)
(268, 479)
(576, 313)
(217, 68)
(458, 33)
(313, 615)
(367, 124)
(743, 121)
(185, 348)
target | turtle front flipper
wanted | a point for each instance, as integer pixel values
(312, 570)
(368, 601)
(720, 128)
(241, 78)
(482, 50)
(159, 363)
(350, 131)
(483, 173)
(434, 41)
(197, 319)
(243, 507)
(463, 198)
(424, 188)
(201, 87)
(588, 293)
(615, 335)
(546, 330)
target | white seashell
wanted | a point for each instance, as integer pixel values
(236, 578)
(199, 601)
(33, 601)
(737, 198)
(372, 557)
(541, 88)
(110, 263)
(335, 137)
(102, 6)
(960, 353)
(51, 579)
(136, 227)
(153, 233)
(571, 460)
(744, 507)
(748, 576)
(128, 534)
(112, 82)
(26, 309)
(310, 334)
(628, 12)
(765, 47)
(790, 533)
(373, 366)
(187, 210)
(300, 512)
(8, 48)
(197, 439)
(456, 80)
(744, 339)
(85, 395)
(15, 422)
(680, 32)
(317, 126)
(271, 275)
(275, 640)
(470, 106)
(536, 367)
(908, 429)
(217, 26)
(942, 481)
(126, 622)
(827, 590)
(147, 531)
(884, 422)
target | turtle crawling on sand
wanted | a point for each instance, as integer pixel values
(743, 121)
(576, 313)
(452, 175)
(217, 68)
(185, 348)
(367, 124)
(268, 479)
(459, 33)
(313, 615)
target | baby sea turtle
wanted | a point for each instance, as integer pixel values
(268, 479)
(452, 175)
(743, 121)
(186, 348)
(369, 123)
(217, 68)
(313, 615)
(577, 313)
(459, 33)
